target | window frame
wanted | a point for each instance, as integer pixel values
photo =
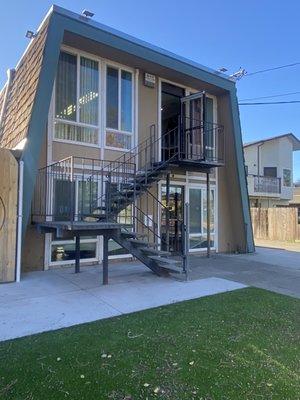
(77, 122)
(270, 169)
(101, 127)
(291, 178)
(77, 180)
(120, 68)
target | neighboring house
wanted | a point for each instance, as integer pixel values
(127, 149)
(269, 167)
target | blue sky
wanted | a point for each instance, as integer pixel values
(255, 35)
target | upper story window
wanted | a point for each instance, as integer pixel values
(119, 108)
(270, 172)
(287, 177)
(77, 99)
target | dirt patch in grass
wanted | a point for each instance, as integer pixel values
(238, 345)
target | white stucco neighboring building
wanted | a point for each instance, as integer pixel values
(269, 168)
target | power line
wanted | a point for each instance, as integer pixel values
(270, 102)
(273, 69)
(270, 97)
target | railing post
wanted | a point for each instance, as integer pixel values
(72, 188)
(208, 213)
(185, 239)
(107, 196)
(168, 211)
(179, 130)
(77, 254)
(205, 141)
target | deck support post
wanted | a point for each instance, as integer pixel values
(77, 254)
(208, 211)
(105, 259)
(168, 211)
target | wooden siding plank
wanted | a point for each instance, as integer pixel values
(8, 215)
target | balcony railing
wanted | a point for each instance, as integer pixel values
(264, 184)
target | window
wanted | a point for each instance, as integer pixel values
(287, 177)
(77, 99)
(246, 170)
(271, 172)
(119, 97)
(63, 252)
(198, 218)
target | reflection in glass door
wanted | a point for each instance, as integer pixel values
(198, 219)
(173, 228)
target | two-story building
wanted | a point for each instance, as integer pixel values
(126, 147)
(269, 169)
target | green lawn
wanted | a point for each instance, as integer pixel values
(238, 345)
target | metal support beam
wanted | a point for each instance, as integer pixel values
(208, 211)
(105, 259)
(168, 211)
(77, 254)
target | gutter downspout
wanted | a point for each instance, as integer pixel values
(20, 220)
(10, 76)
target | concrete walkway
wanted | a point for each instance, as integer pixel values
(276, 244)
(272, 269)
(49, 300)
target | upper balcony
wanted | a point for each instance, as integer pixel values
(264, 186)
(193, 143)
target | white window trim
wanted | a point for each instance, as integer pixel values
(78, 55)
(133, 133)
(71, 262)
(48, 261)
(187, 185)
(103, 63)
(291, 185)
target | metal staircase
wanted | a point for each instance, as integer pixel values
(119, 196)
(129, 188)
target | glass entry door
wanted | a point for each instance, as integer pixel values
(198, 218)
(172, 228)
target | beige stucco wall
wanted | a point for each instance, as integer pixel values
(230, 215)
(63, 150)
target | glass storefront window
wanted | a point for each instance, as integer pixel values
(65, 251)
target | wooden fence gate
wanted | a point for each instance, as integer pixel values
(275, 223)
(8, 215)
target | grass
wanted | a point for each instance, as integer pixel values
(237, 345)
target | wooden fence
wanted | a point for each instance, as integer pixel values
(276, 223)
(8, 215)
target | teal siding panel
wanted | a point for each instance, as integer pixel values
(241, 171)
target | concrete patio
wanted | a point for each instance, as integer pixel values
(58, 298)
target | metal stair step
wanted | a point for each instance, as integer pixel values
(100, 208)
(95, 216)
(163, 260)
(151, 251)
(137, 242)
(132, 235)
